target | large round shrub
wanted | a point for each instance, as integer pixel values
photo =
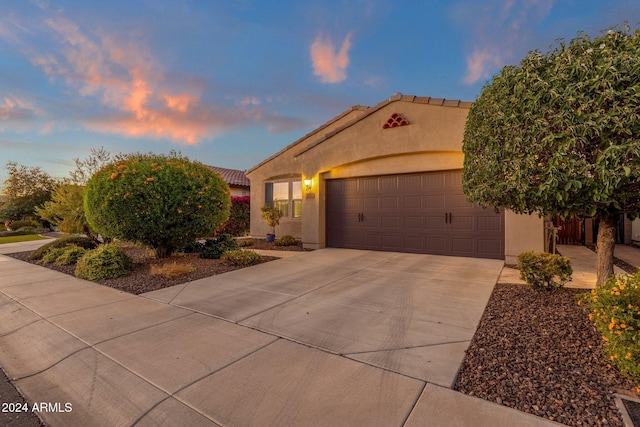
(164, 202)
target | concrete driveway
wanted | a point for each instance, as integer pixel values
(408, 313)
(330, 337)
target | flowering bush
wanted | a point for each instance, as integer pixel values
(239, 218)
(164, 202)
(615, 311)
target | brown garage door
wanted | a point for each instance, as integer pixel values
(422, 213)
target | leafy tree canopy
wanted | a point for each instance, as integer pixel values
(560, 133)
(24, 189)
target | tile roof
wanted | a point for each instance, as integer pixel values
(232, 176)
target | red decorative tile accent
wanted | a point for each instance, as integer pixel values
(394, 121)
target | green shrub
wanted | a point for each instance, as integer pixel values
(52, 255)
(242, 257)
(543, 270)
(106, 262)
(83, 242)
(615, 311)
(70, 255)
(163, 202)
(286, 240)
(17, 225)
(214, 248)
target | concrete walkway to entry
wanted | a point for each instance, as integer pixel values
(330, 337)
(583, 263)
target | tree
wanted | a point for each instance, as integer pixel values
(66, 209)
(239, 217)
(559, 134)
(164, 202)
(88, 166)
(24, 189)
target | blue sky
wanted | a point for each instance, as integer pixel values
(229, 83)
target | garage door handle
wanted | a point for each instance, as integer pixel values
(446, 218)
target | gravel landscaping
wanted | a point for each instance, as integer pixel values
(537, 351)
(141, 281)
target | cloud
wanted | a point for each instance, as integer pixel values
(17, 109)
(328, 64)
(116, 85)
(499, 29)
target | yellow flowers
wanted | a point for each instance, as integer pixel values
(114, 175)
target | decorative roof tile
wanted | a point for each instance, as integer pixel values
(233, 177)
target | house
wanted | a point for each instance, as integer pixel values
(236, 179)
(387, 177)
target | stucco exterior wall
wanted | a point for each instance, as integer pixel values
(522, 233)
(635, 231)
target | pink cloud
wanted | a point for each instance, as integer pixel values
(125, 77)
(479, 65)
(328, 64)
(498, 30)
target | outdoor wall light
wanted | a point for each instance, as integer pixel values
(308, 183)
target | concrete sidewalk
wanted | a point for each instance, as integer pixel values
(315, 339)
(628, 254)
(583, 262)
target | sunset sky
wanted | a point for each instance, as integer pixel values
(229, 83)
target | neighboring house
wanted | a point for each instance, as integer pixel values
(387, 177)
(236, 179)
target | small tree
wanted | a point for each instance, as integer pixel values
(559, 135)
(66, 209)
(164, 202)
(271, 216)
(24, 189)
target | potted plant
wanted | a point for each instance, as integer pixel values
(271, 216)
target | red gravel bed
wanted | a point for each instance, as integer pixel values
(537, 351)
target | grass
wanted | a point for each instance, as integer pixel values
(16, 239)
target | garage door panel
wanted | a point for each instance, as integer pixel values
(413, 243)
(434, 222)
(462, 223)
(409, 182)
(489, 223)
(412, 202)
(387, 222)
(489, 247)
(433, 180)
(412, 222)
(435, 244)
(462, 245)
(388, 183)
(389, 202)
(435, 201)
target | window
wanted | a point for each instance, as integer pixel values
(286, 196)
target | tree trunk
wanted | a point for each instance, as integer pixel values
(606, 244)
